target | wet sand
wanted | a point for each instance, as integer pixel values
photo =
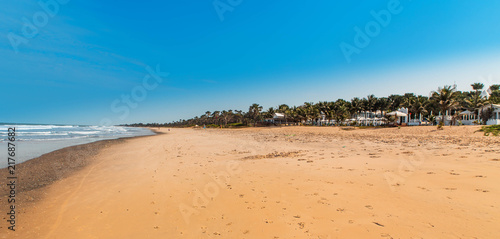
(290, 182)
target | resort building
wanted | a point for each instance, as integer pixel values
(495, 116)
(472, 118)
(401, 116)
(469, 118)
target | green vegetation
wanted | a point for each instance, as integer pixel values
(493, 129)
(236, 125)
(445, 100)
(440, 125)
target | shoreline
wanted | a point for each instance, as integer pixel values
(287, 182)
(56, 165)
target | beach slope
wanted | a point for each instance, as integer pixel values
(291, 182)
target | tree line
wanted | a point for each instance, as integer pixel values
(445, 100)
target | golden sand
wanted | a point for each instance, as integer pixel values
(291, 182)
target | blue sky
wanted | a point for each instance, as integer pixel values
(89, 54)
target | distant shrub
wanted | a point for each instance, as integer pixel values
(366, 127)
(236, 125)
(493, 129)
(348, 128)
(440, 125)
(486, 114)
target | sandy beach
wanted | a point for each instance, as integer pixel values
(289, 182)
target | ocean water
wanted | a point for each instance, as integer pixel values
(35, 140)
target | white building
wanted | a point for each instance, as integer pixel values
(495, 118)
(468, 118)
(401, 116)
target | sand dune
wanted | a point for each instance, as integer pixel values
(291, 182)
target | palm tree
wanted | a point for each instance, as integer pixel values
(291, 113)
(203, 119)
(238, 116)
(208, 114)
(477, 87)
(316, 113)
(395, 102)
(383, 104)
(269, 114)
(475, 101)
(285, 110)
(371, 102)
(494, 94)
(408, 100)
(310, 111)
(419, 105)
(301, 113)
(329, 111)
(341, 111)
(254, 113)
(226, 116)
(446, 99)
(323, 108)
(215, 117)
(356, 107)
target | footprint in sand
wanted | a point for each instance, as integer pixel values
(378, 224)
(301, 225)
(423, 188)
